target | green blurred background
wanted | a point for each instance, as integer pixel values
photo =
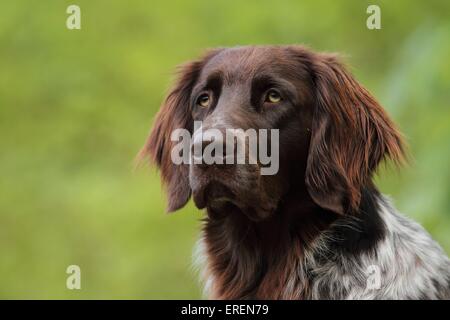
(76, 106)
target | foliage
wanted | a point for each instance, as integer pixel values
(76, 105)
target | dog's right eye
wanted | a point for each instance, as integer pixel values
(273, 96)
(204, 100)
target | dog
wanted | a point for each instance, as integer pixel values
(318, 228)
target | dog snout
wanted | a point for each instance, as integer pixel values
(212, 148)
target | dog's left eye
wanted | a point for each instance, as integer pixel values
(273, 96)
(204, 100)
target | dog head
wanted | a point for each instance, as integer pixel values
(331, 134)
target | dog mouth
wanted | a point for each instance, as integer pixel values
(220, 200)
(214, 195)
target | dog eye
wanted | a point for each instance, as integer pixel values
(204, 100)
(273, 96)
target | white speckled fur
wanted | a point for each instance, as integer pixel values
(411, 263)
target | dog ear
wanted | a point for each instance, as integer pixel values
(175, 113)
(351, 134)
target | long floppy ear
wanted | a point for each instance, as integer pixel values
(175, 113)
(351, 134)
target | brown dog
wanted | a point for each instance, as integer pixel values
(314, 228)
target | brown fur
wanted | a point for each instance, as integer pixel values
(333, 136)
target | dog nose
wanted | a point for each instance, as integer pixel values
(211, 148)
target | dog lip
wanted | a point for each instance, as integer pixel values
(219, 199)
(214, 193)
(199, 199)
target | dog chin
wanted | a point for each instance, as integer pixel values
(220, 201)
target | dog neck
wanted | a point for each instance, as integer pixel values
(266, 259)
